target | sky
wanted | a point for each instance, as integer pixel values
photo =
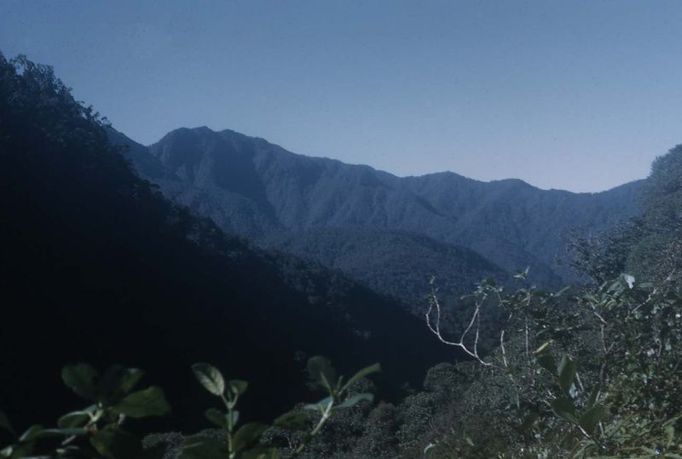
(576, 95)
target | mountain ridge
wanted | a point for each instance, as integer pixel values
(446, 172)
(254, 188)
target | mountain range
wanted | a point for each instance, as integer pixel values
(391, 233)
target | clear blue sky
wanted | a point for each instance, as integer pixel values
(579, 95)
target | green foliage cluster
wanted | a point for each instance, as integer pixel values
(590, 375)
(97, 431)
(577, 374)
(650, 245)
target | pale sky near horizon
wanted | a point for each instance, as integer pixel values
(578, 95)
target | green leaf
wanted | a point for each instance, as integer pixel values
(321, 405)
(217, 417)
(592, 417)
(565, 409)
(114, 443)
(247, 435)
(232, 419)
(361, 374)
(63, 432)
(202, 446)
(567, 370)
(118, 381)
(36, 432)
(81, 379)
(74, 419)
(321, 372)
(547, 362)
(144, 403)
(293, 420)
(237, 386)
(31, 433)
(210, 377)
(355, 399)
(5, 424)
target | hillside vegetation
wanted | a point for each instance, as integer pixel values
(395, 263)
(97, 266)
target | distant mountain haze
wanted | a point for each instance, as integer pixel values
(283, 200)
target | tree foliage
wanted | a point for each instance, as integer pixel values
(97, 430)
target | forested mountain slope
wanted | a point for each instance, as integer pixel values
(253, 188)
(649, 246)
(97, 266)
(398, 264)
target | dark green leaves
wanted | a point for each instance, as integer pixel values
(118, 381)
(293, 420)
(361, 374)
(223, 420)
(217, 417)
(209, 377)
(355, 399)
(547, 362)
(319, 406)
(74, 419)
(237, 386)
(590, 418)
(564, 408)
(202, 446)
(81, 379)
(232, 419)
(31, 433)
(144, 403)
(247, 435)
(567, 370)
(97, 426)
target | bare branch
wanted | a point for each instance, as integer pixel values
(436, 330)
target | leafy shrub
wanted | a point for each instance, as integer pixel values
(592, 374)
(96, 431)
